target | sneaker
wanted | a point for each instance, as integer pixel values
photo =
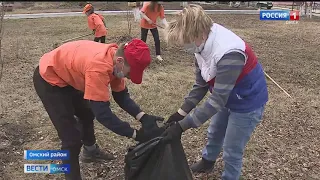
(95, 155)
(159, 58)
(202, 166)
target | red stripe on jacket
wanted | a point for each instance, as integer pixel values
(251, 63)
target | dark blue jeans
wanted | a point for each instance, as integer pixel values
(231, 131)
(156, 38)
(102, 39)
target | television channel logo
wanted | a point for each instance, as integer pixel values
(47, 168)
(279, 15)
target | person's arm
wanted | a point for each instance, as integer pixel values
(103, 20)
(91, 23)
(164, 22)
(144, 16)
(97, 22)
(97, 93)
(162, 17)
(228, 70)
(107, 118)
(143, 11)
(197, 93)
(123, 99)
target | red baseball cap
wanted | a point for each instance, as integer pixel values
(138, 57)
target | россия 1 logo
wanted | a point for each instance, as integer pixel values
(279, 15)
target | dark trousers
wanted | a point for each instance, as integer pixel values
(102, 39)
(62, 105)
(155, 34)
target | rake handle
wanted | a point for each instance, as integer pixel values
(159, 26)
(277, 85)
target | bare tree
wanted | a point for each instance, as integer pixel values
(2, 12)
(129, 14)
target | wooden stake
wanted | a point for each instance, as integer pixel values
(2, 12)
(277, 85)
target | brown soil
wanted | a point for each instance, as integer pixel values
(284, 146)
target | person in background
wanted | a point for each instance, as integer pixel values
(74, 79)
(150, 11)
(96, 23)
(226, 66)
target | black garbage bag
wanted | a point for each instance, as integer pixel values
(157, 160)
(153, 132)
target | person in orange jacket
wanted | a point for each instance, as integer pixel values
(97, 23)
(150, 11)
(74, 79)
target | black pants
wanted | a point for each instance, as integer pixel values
(102, 39)
(155, 34)
(62, 105)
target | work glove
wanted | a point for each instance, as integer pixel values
(150, 122)
(143, 136)
(173, 132)
(175, 118)
(150, 21)
(165, 23)
(139, 135)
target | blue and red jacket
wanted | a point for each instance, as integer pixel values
(250, 91)
(229, 68)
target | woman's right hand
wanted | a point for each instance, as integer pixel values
(150, 21)
(175, 118)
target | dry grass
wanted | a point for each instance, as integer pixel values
(284, 146)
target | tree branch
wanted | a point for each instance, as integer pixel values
(2, 12)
